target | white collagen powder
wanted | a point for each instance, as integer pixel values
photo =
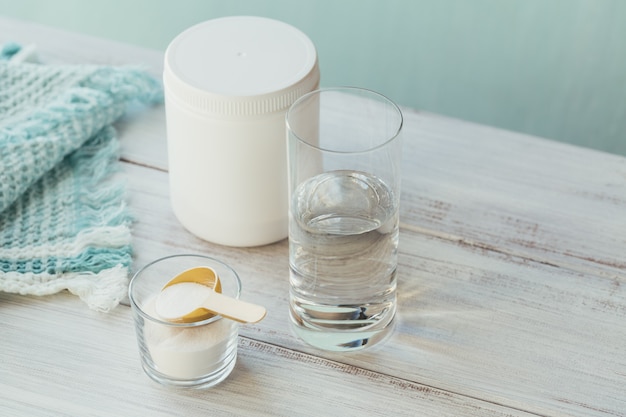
(189, 352)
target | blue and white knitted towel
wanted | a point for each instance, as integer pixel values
(63, 222)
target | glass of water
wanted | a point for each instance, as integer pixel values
(344, 148)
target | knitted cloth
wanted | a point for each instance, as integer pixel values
(63, 219)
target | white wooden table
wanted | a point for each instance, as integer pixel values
(512, 288)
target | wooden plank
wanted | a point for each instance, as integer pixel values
(480, 323)
(516, 194)
(551, 202)
(507, 192)
(60, 359)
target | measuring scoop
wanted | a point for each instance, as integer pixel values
(195, 295)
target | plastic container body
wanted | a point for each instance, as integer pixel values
(228, 84)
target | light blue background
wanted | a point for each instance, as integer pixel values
(552, 68)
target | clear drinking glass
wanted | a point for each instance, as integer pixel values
(199, 354)
(344, 148)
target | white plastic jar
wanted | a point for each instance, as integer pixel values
(228, 83)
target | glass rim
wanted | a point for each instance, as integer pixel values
(349, 89)
(135, 306)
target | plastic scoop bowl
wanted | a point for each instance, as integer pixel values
(201, 275)
(195, 295)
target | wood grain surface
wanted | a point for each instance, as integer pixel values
(512, 288)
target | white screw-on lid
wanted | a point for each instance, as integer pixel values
(240, 65)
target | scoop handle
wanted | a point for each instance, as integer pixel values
(233, 308)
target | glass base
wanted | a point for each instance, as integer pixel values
(342, 340)
(206, 381)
